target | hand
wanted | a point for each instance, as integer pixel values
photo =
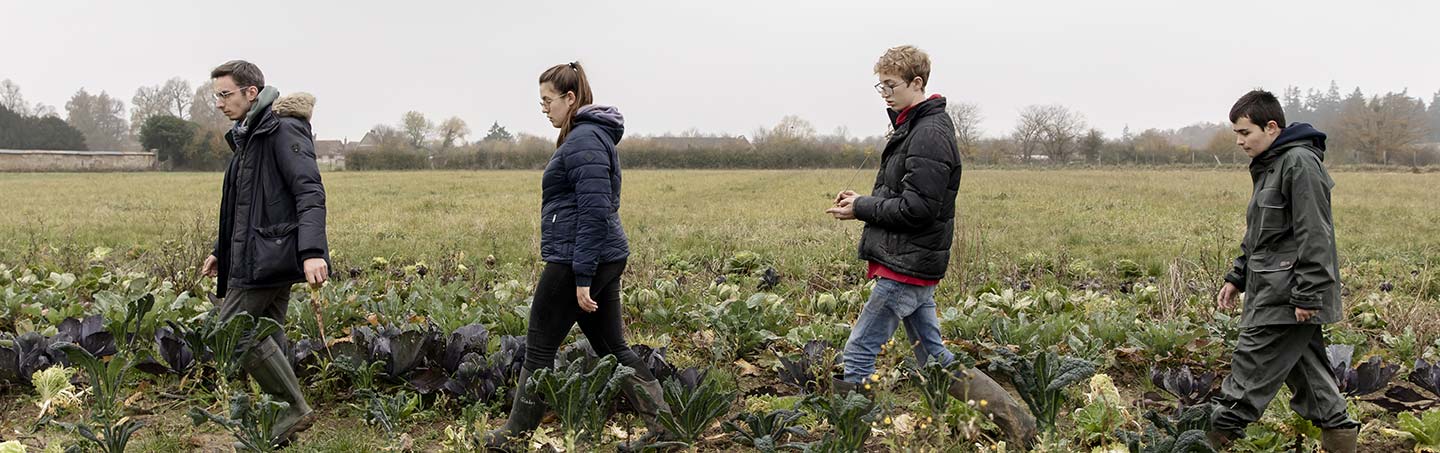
(316, 271)
(211, 267)
(844, 208)
(1226, 299)
(582, 295)
(843, 195)
(1303, 315)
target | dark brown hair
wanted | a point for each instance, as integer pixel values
(567, 78)
(1261, 107)
(245, 74)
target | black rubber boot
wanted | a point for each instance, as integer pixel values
(648, 399)
(271, 370)
(525, 415)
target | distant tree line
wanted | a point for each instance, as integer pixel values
(179, 121)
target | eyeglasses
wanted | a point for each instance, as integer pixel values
(544, 102)
(886, 89)
(225, 94)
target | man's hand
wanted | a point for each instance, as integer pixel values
(1303, 315)
(582, 295)
(211, 267)
(1226, 299)
(844, 208)
(316, 271)
(843, 195)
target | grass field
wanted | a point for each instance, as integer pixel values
(1007, 218)
(1143, 245)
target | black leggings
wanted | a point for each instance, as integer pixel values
(555, 310)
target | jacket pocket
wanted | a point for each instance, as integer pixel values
(1274, 209)
(276, 255)
(1270, 275)
(890, 243)
(557, 235)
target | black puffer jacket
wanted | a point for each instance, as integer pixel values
(910, 215)
(272, 213)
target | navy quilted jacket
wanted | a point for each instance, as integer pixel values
(580, 201)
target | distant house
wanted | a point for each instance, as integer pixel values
(371, 140)
(331, 154)
(737, 143)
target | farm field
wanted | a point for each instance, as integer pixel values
(736, 276)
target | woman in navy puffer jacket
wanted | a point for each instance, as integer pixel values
(584, 247)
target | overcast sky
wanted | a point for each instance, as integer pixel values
(730, 66)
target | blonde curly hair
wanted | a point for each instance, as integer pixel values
(908, 62)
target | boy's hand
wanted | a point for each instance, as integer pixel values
(1303, 315)
(844, 208)
(1226, 298)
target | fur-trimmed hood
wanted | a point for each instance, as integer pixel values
(296, 105)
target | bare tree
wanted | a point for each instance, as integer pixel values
(172, 98)
(451, 130)
(1029, 134)
(1062, 132)
(387, 135)
(204, 112)
(1053, 129)
(792, 127)
(416, 127)
(11, 98)
(1384, 126)
(146, 103)
(1154, 146)
(1222, 143)
(100, 118)
(178, 97)
(41, 110)
(966, 117)
(759, 135)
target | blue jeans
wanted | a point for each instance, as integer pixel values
(891, 303)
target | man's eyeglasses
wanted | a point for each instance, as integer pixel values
(225, 94)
